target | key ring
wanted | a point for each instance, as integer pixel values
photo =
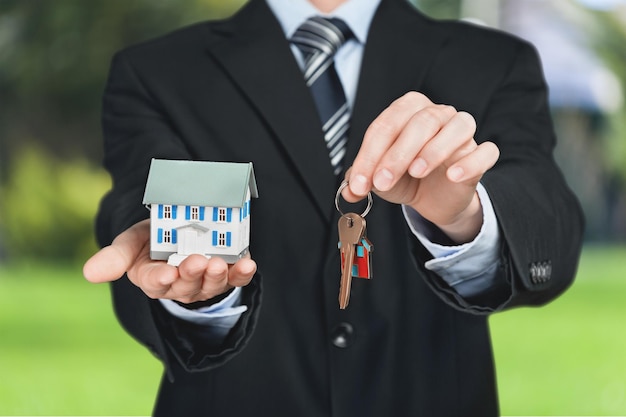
(343, 185)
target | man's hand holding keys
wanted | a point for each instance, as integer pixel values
(424, 155)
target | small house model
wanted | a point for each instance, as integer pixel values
(199, 207)
(362, 264)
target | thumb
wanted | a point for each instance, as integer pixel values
(111, 262)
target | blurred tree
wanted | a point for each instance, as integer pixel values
(48, 205)
(55, 57)
(440, 9)
(609, 38)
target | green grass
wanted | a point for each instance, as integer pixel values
(63, 353)
(569, 357)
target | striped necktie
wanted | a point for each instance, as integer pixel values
(318, 39)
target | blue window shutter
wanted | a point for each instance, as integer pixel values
(160, 211)
(241, 214)
(159, 235)
(174, 209)
(187, 212)
(214, 237)
(215, 210)
(229, 214)
(174, 236)
(201, 213)
(228, 234)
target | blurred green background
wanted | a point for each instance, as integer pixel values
(61, 349)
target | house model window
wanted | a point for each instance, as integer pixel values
(221, 215)
(214, 199)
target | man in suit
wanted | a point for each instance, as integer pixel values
(470, 214)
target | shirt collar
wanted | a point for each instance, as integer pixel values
(358, 15)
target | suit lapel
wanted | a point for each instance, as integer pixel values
(253, 51)
(400, 48)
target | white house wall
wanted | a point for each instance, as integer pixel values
(165, 232)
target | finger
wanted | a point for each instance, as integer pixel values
(455, 139)
(418, 132)
(193, 267)
(213, 279)
(111, 262)
(193, 271)
(379, 136)
(473, 166)
(346, 193)
(241, 272)
(155, 278)
(220, 277)
(105, 266)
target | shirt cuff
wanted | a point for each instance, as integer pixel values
(219, 318)
(461, 263)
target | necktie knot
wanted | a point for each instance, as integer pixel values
(320, 37)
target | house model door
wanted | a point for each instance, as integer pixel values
(193, 239)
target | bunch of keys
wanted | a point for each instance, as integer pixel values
(354, 247)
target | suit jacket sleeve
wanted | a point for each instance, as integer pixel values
(136, 130)
(540, 219)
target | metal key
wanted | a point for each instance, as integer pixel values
(351, 231)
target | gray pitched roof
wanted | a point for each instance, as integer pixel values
(199, 183)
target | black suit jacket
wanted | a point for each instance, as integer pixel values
(407, 345)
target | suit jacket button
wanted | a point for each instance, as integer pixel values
(533, 270)
(540, 272)
(342, 336)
